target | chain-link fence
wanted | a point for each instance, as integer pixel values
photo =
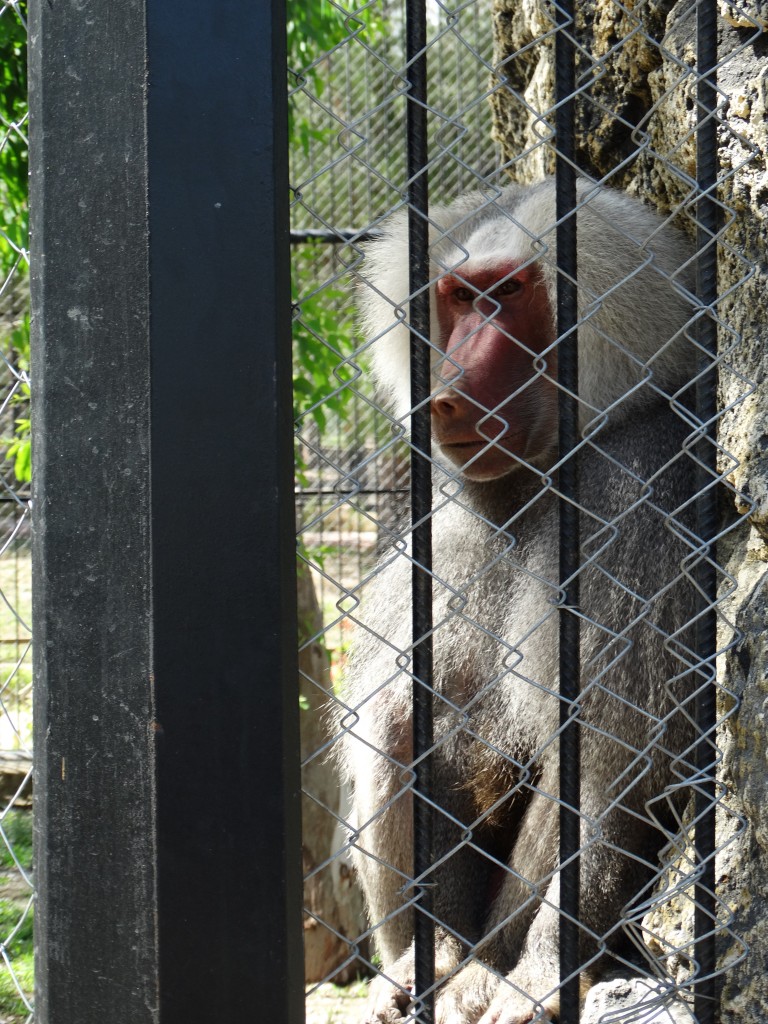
(522, 701)
(520, 527)
(16, 975)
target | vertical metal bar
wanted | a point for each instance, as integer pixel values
(223, 574)
(421, 496)
(568, 377)
(96, 947)
(705, 990)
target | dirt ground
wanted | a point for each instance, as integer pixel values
(330, 1004)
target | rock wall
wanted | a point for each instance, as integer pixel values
(636, 119)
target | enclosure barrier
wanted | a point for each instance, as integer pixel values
(167, 802)
(166, 726)
(373, 86)
(16, 867)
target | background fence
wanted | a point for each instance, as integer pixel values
(16, 908)
(166, 724)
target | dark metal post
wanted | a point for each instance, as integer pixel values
(168, 848)
(224, 589)
(421, 497)
(568, 378)
(705, 990)
(96, 943)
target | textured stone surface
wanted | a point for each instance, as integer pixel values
(643, 999)
(637, 73)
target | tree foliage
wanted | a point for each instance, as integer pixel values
(323, 325)
(14, 218)
(315, 28)
(14, 152)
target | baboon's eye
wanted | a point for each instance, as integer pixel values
(508, 287)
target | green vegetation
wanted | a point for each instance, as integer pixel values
(19, 447)
(18, 947)
(321, 336)
(16, 918)
(16, 827)
(14, 154)
(314, 31)
(14, 218)
(323, 325)
(16, 911)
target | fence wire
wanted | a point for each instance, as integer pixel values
(16, 875)
(450, 842)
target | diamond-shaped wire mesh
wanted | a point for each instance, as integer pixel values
(16, 886)
(495, 794)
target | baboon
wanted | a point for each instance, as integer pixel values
(494, 409)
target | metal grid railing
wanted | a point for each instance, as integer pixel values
(529, 829)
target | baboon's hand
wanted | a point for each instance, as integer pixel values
(390, 994)
(466, 996)
(525, 995)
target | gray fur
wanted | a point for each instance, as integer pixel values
(496, 629)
